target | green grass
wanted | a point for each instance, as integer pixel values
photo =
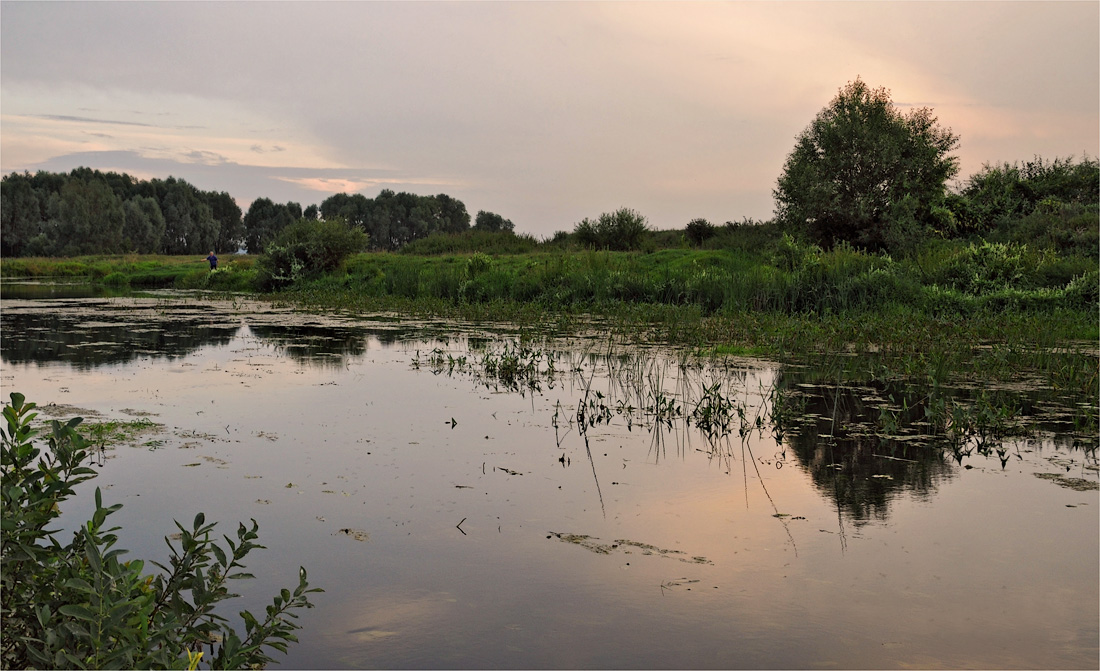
(138, 271)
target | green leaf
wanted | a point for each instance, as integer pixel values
(220, 554)
(79, 611)
(80, 585)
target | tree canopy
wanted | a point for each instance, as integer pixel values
(392, 220)
(866, 173)
(492, 222)
(90, 212)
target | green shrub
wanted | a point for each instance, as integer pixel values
(80, 605)
(490, 242)
(699, 230)
(986, 267)
(307, 248)
(621, 230)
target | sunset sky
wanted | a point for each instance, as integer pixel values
(543, 112)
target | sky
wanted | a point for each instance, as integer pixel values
(542, 112)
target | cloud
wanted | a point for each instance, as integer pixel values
(79, 119)
(543, 112)
(205, 157)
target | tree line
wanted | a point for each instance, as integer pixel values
(863, 173)
(91, 212)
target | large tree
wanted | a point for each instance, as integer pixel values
(22, 213)
(865, 172)
(143, 227)
(230, 225)
(86, 218)
(263, 222)
(189, 224)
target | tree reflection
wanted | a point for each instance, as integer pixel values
(321, 346)
(107, 339)
(837, 435)
(96, 332)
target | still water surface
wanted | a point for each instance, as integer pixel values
(455, 522)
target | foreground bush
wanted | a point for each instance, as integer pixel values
(79, 605)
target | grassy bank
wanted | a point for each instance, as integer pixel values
(791, 279)
(139, 271)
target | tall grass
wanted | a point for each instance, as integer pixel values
(946, 280)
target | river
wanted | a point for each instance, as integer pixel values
(474, 497)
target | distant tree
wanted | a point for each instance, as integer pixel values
(143, 226)
(494, 223)
(227, 214)
(354, 209)
(295, 210)
(189, 225)
(263, 222)
(86, 218)
(453, 217)
(22, 213)
(865, 173)
(392, 220)
(311, 213)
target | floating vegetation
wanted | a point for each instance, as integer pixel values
(1076, 484)
(355, 534)
(678, 582)
(591, 544)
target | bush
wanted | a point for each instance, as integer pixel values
(117, 279)
(991, 266)
(307, 248)
(621, 230)
(79, 605)
(699, 230)
(503, 242)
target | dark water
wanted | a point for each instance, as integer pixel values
(458, 521)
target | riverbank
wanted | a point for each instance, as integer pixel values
(983, 311)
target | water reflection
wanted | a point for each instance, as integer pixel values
(40, 290)
(91, 332)
(835, 439)
(107, 337)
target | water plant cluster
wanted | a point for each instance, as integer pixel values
(709, 397)
(80, 604)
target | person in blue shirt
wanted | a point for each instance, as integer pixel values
(213, 261)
